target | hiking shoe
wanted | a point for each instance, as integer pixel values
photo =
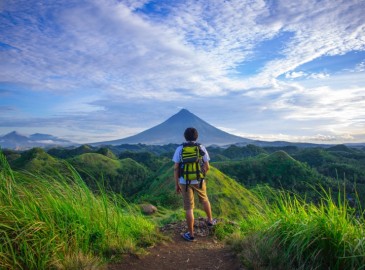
(211, 224)
(188, 237)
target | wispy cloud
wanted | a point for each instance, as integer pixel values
(106, 58)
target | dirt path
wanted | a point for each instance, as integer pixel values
(206, 253)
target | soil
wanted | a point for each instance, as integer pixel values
(177, 253)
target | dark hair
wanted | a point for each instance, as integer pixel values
(191, 134)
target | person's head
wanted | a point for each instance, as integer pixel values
(191, 134)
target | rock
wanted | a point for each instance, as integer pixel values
(148, 209)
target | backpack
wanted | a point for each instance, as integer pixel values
(191, 161)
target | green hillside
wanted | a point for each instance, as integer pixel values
(337, 162)
(228, 198)
(234, 152)
(106, 152)
(64, 153)
(52, 217)
(50, 222)
(124, 176)
(37, 160)
(278, 170)
(151, 160)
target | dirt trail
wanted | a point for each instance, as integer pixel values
(206, 253)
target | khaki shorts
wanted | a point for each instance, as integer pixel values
(189, 195)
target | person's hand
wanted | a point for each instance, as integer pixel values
(178, 189)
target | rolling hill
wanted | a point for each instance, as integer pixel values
(277, 169)
(124, 176)
(227, 197)
(37, 160)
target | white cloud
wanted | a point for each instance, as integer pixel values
(119, 56)
(99, 44)
(294, 74)
(319, 75)
(360, 67)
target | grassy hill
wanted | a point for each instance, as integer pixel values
(64, 153)
(228, 198)
(337, 162)
(278, 170)
(52, 223)
(124, 176)
(37, 160)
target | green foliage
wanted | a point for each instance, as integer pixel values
(234, 152)
(37, 160)
(47, 222)
(125, 176)
(150, 160)
(49, 218)
(337, 162)
(160, 150)
(278, 170)
(65, 153)
(289, 233)
(11, 155)
(106, 152)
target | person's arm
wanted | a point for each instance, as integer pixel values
(206, 167)
(176, 176)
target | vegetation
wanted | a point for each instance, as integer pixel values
(266, 197)
(124, 176)
(58, 223)
(230, 199)
(286, 232)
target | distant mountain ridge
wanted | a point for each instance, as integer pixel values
(168, 132)
(15, 140)
(172, 131)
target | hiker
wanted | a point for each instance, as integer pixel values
(191, 164)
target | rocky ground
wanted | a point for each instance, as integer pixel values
(206, 253)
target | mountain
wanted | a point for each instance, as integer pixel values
(172, 131)
(14, 140)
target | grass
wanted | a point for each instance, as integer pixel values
(289, 233)
(56, 222)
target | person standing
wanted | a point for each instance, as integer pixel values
(194, 184)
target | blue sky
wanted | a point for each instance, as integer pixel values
(98, 70)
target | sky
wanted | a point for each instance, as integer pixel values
(97, 70)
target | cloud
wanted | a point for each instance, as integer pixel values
(302, 74)
(319, 75)
(294, 74)
(158, 56)
(316, 138)
(114, 47)
(360, 67)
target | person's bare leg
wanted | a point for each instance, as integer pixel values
(208, 210)
(190, 221)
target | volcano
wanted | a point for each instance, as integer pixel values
(172, 131)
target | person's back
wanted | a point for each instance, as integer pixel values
(191, 180)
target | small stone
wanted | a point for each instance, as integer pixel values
(148, 209)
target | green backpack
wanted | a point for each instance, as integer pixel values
(191, 161)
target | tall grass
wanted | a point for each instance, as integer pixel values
(289, 233)
(56, 222)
